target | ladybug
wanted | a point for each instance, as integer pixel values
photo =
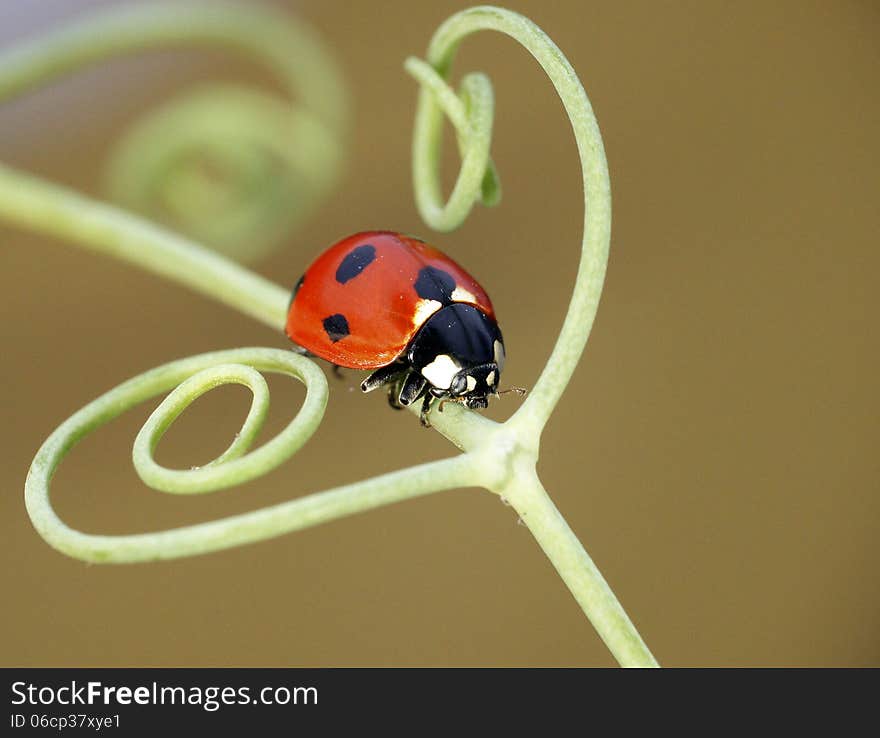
(391, 303)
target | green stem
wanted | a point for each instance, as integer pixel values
(57, 211)
(527, 496)
(515, 444)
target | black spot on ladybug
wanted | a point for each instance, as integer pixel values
(355, 262)
(336, 327)
(435, 284)
(296, 289)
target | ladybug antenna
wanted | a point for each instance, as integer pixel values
(521, 391)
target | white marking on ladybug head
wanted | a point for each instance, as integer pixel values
(471, 383)
(424, 310)
(490, 378)
(499, 355)
(441, 371)
(459, 294)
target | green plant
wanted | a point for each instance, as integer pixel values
(499, 457)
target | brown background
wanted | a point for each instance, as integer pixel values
(716, 451)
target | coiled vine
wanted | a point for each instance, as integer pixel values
(297, 147)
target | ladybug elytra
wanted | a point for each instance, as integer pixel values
(393, 304)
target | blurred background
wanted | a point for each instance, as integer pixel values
(716, 450)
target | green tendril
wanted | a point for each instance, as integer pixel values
(233, 167)
(233, 466)
(543, 397)
(471, 113)
(500, 457)
(198, 375)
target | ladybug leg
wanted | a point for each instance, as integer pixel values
(382, 376)
(337, 372)
(394, 394)
(411, 389)
(393, 400)
(297, 349)
(426, 408)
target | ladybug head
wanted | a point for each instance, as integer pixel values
(475, 384)
(459, 350)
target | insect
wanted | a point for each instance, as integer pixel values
(391, 303)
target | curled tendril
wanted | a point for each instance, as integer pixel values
(435, 99)
(232, 466)
(471, 112)
(500, 457)
(191, 377)
(194, 376)
(231, 166)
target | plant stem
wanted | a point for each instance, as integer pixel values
(57, 211)
(527, 496)
(510, 451)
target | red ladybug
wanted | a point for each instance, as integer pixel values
(391, 303)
